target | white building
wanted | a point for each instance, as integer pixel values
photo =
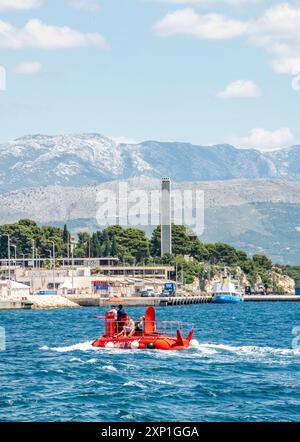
(13, 289)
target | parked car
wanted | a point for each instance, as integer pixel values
(167, 293)
(148, 294)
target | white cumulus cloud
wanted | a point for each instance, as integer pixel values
(276, 31)
(188, 22)
(86, 5)
(28, 68)
(19, 4)
(286, 65)
(265, 140)
(208, 2)
(241, 89)
(37, 34)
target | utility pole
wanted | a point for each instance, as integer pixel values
(8, 256)
(15, 265)
(50, 254)
(33, 252)
(72, 243)
(72, 251)
(53, 255)
(32, 271)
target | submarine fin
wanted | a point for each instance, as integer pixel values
(179, 338)
(150, 320)
(190, 335)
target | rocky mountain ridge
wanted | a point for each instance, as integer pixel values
(90, 159)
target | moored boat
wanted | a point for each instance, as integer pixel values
(227, 291)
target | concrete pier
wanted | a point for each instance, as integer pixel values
(95, 301)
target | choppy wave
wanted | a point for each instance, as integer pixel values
(244, 369)
(136, 384)
(109, 368)
(160, 381)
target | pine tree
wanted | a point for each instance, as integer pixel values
(66, 234)
(114, 251)
(106, 244)
(107, 248)
(95, 246)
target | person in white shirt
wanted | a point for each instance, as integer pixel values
(114, 311)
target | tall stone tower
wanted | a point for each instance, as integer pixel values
(165, 216)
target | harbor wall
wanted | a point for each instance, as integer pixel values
(169, 301)
(68, 301)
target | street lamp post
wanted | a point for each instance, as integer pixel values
(32, 271)
(72, 253)
(15, 247)
(33, 252)
(50, 254)
(72, 245)
(8, 254)
(53, 255)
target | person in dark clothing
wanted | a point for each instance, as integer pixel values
(121, 313)
(121, 318)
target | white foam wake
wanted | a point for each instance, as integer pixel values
(243, 350)
(82, 346)
(202, 349)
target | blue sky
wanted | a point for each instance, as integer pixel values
(204, 71)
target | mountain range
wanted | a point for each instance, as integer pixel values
(252, 199)
(87, 159)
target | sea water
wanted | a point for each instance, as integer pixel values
(244, 365)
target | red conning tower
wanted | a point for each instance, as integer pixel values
(110, 324)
